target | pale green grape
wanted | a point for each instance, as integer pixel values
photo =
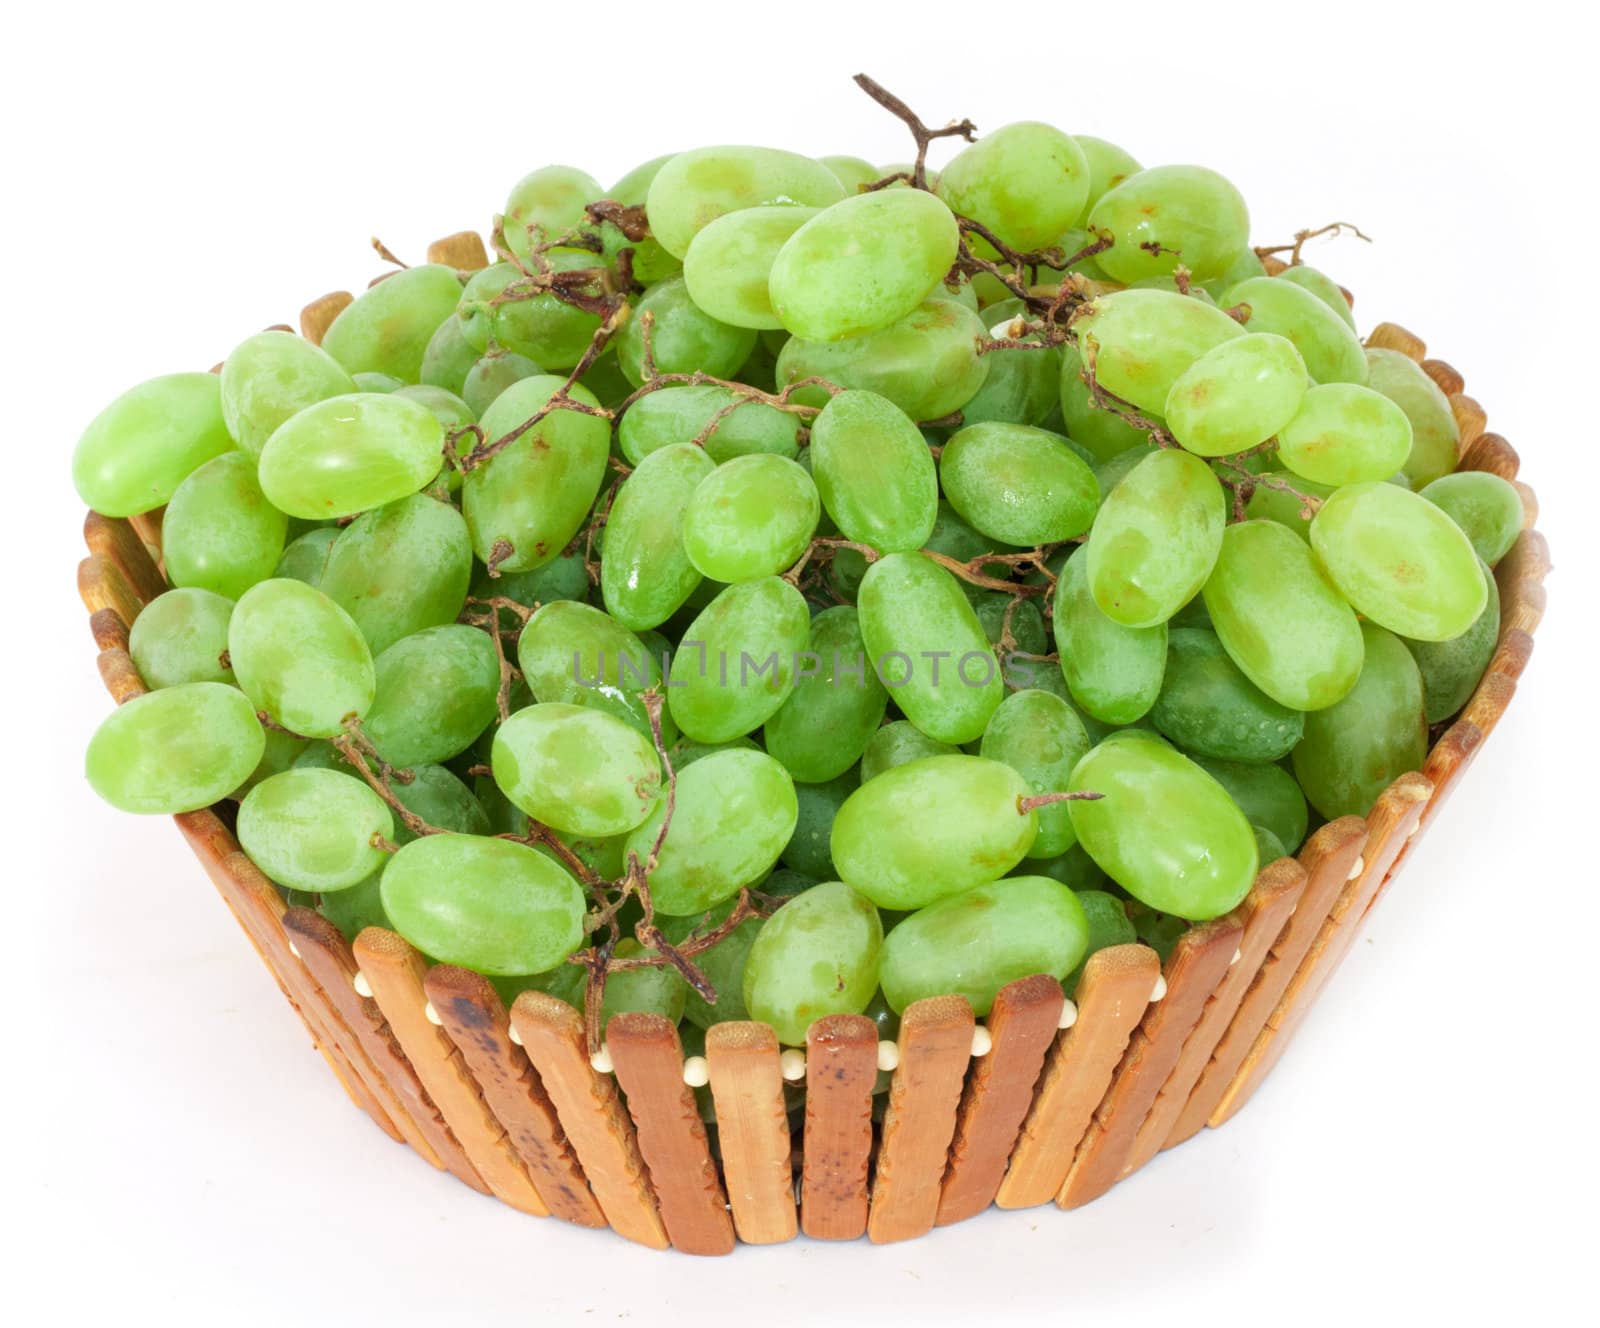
(1209, 708)
(874, 472)
(899, 743)
(547, 203)
(271, 376)
(1040, 737)
(435, 693)
(1486, 507)
(1328, 344)
(575, 653)
(656, 990)
(1237, 395)
(306, 557)
(438, 797)
(1022, 386)
(681, 414)
(1113, 671)
(646, 573)
(837, 703)
(564, 578)
(1018, 484)
(449, 357)
(1435, 435)
(182, 636)
(448, 408)
(1355, 749)
(491, 374)
(1107, 922)
(220, 533)
(1143, 340)
(352, 911)
(1027, 182)
(388, 326)
(1105, 433)
(136, 451)
(300, 657)
(690, 191)
(1281, 619)
(1401, 561)
(1266, 794)
(314, 830)
(1163, 829)
(998, 610)
(346, 454)
(727, 266)
(1450, 669)
(860, 265)
(723, 964)
(852, 172)
(810, 849)
(486, 904)
(1109, 166)
(280, 754)
(382, 383)
(932, 827)
(175, 750)
(1324, 287)
(1188, 214)
(1344, 434)
(539, 326)
(684, 338)
(1283, 504)
(974, 943)
(1075, 869)
(1247, 264)
(750, 518)
(817, 955)
(578, 770)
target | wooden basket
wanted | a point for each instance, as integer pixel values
(1051, 1100)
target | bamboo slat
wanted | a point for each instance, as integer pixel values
(1023, 1025)
(672, 1138)
(463, 251)
(120, 676)
(108, 630)
(317, 317)
(116, 542)
(102, 585)
(841, 1069)
(1470, 421)
(147, 526)
(752, 1130)
(1449, 760)
(935, 1045)
(1491, 452)
(1391, 336)
(1445, 375)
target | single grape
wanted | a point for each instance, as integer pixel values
(816, 955)
(577, 770)
(1435, 435)
(500, 307)
(490, 375)
(382, 383)
(999, 611)
(546, 204)
(656, 990)
(1144, 340)
(448, 359)
(680, 414)
(646, 573)
(684, 338)
(219, 532)
(752, 517)
(1237, 395)
(1075, 869)
(562, 578)
(1322, 286)
(1209, 708)
(1112, 671)
(1027, 182)
(1329, 346)
(1450, 669)
(136, 451)
(352, 911)
(723, 963)
(1022, 386)
(1266, 794)
(1018, 484)
(314, 830)
(898, 743)
(575, 653)
(1486, 507)
(448, 408)
(388, 326)
(691, 190)
(271, 376)
(280, 754)
(1040, 737)
(435, 693)
(1165, 216)
(182, 636)
(1280, 500)
(852, 172)
(1344, 433)
(823, 727)
(874, 472)
(727, 266)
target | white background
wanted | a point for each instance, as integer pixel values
(180, 176)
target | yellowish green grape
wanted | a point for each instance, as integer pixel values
(810, 849)
(1266, 794)
(816, 955)
(271, 376)
(837, 703)
(898, 743)
(1237, 395)
(435, 693)
(1328, 344)
(1102, 431)
(684, 338)
(491, 374)
(545, 204)
(448, 358)
(693, 189)
(1027, 182)
(1486, 507)
(1344, 434)
(1435, 435)
(1022, 386)
(723, 964)
(1113, 671)
(314, 830)
(182, 636)
(852, 172)
(1452, 669)
(1283, 503)
(679, 414)
(577, 770)
(1109, 166)
(646, 573)
(300, 657)
(751, 517)
(1017, 484)
(220, 533)
(1324, 287)
(874, 472)
(306, 558)
(1041, 737)
(729, 261)
(1186, 215)
(1143, 340)
(575, 653)
(1209, 708)
(136, 451)
(1108, 924)
(657, 990)
(388, 327)
(536, 324)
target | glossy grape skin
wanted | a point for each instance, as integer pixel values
(734, 812)
(1345, 434)
(694, 188)
(927, 363)
(1451, 670)
(486, 904)
(300, 657)
(1145, 339)
(678, 414)
(928, 647)
(1286, 508)
(547, 203)
(657, 990)
(1281, 619)
(1209, 708)
(1237, 395)
(575, 653)
(174, 750)
(449, 357)
(1399, 560)
(441, 800)
(578, 770)
(932, 827)
(491, 374)
(1022, 386)
(1266, 794)
(352, 911)
(182, 636)
(1017, 484)
(447, 407)
(536, 494)
(997, 610)
(1041, 737)
(435, 693)
(1435, 435)
(1163, 829)
(547, 330)
(809, 851)
(727, 266)
(899, 743)
(1328, 344)
(1107, 922)
(1027, 182)
(823, 727)
(974, 943)
(1189, 209)
(1324, 287)
(136, 451)
(219, 532)
(314, 830)
(861, 264)
(372, 381)
(347, 454)
(646, 574)
(817, 955)
(852, 172)
(1103, 432)
(684, 338)
(271, 376)
(737, 661)
(1112, 671)
(723, 964)
(305, 558)
(1109, 165)
(874, 472)
(1354, 750)
(751, 517)
(388, 326)
(1486, 507)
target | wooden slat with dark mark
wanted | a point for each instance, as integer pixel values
(752, 1130)
(108, 629)
(841, 1069)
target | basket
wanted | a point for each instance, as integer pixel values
(1050, 1100)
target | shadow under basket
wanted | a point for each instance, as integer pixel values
(1051, 1100)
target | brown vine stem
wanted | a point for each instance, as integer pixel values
(349, 746)
(1026, 805)
(489, 621)
(386, 254)
(1300, 238)
(963, 129)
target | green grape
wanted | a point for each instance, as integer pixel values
(1401, 561)
(733, 813)
(1324, 287)
(682, 414)
(852, 172)
(684, 338)
(974, 943)
(874, 472)
(573, 652)
(1106, 917)
(533, 323)
(1329, 346)
(280, 754)
(440, 799)
(352, 911)
(1040, 737)
(381, 383)
(646, 573)
(1104, 433)
(1450, 669)
(1112, 671)
(1266, 794)
(728, 263)
(400, 568)
(314, 830)
(136, 451)
(723, 964)
(1435, 435)
(751, 517)
(686, 751)
(491, 374)
(1355, 749)
(1237, 395)
(577, 770)
(817, 955)
(860, 265)
(449, 357)
(651, 263)
(925, 641)
(565, 577)
(219, 532)
(1344, 434)
(346, 454)
(899, 743)
(1281, 619)
(1018, 484)
(271, 376)
(824, 725)
(547, 203)
(932, 827)
(691, 190)
(1155, 539)
(1486, 507)
(809, 851)
(1209, 708)
(182, 636)
(175, 750)
(1027, 182)
(448, 408)
(1144, 340)
(306, 557)
(657, 990)
(1248, 264)
(1075, 869)
(1269, 848)
(1163, 829)
(566, 982)
(1283, 503)
(997, 610)
(1170, 215)
(738, 659)
(536, 494)
(435, 693)
(388, 326)
(927, 363)
(486, 904)
(1109, 166)
(1160, 931)
(1192, 614)
(1022, 386)
(300, 657)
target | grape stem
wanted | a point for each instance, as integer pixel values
(1300, 238)
(963, 129)
(386, 254)
(349, 745)
(489, 621)
(1026, 805)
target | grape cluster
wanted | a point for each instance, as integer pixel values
(778, 586)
